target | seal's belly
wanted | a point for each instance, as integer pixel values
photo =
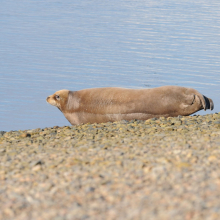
(84, 117)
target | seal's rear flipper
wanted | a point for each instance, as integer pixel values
(208, 103)
(211, 104)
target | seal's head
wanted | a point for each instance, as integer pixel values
(59, 99)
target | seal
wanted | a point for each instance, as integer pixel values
(97, 105)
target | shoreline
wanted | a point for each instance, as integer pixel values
(157, 169)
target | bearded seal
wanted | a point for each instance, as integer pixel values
(111, 104)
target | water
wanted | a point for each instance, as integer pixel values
(50, 45)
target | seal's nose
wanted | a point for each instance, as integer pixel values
(48, 98)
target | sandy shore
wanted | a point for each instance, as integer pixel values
(154, 169)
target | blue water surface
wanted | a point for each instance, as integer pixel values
(48, 45)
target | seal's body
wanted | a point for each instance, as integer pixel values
(99, 105)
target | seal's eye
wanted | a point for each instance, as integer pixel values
(57, 97)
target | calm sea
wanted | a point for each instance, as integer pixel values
(48, 45)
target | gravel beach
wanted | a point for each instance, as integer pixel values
(166, 168)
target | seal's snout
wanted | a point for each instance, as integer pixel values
(50, 99)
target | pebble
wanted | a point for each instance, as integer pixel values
(161, 168)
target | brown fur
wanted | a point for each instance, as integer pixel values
(99, 105)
